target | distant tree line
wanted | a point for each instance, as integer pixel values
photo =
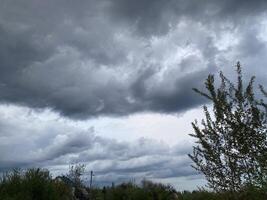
(38, 184)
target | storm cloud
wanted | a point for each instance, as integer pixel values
(95, 58)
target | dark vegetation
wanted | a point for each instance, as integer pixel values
(37, 184)
(230, 150)
(32, 184)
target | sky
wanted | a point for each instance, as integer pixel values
(108, 83)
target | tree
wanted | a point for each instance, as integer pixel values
(75, 173)
(32, 183)
(231, 144)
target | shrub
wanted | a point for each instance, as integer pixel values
(32, 184)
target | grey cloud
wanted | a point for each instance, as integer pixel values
(95, 58)
(143, 14)
(55, 145)
(158, 17)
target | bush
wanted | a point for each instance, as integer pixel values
(129, 191)
(37, 184)
(32, 184)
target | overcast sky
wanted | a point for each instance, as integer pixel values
(109, 83)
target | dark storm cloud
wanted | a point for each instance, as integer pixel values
(92, 58)
(158, 17)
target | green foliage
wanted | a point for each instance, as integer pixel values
(249, 193)
(37, 184)
(231, 146)
(129, 191)
(155, 191)
(199, 195)
(75, 173)
(33, 184)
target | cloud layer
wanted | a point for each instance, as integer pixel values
(41, 141)
(91, 58)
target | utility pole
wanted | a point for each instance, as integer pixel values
(104, 192)
(91, 179)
